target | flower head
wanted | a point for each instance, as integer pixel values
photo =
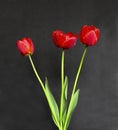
(64, 40)
(89, 35)
(25, 46)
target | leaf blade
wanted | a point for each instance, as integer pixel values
(72, 106)
(52, 104)
(65, 99)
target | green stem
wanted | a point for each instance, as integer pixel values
(40, 81)
(62, 87)
(75, 83)
(35, 71)
(79, 70)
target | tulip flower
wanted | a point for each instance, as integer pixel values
(25, 46)
(64, 40)
(89, 35)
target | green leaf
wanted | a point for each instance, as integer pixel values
(65, 95)
(72, 106)
(52, 104)
(64, 116)
(66, 87)
(57, 124)
(65, 99)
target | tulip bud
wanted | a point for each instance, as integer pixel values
(89, 35)
(25, 46)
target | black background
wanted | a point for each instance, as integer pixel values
(22, 102)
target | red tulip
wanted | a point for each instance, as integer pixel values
(89, 35)
(64, 40)
(25, 46)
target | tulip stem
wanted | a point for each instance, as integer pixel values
(35, 71)
(76, 80)
(79, 70)
(62, 87)
(40, 81)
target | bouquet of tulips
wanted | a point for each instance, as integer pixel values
(88, 36)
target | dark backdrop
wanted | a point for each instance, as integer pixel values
(22, 102)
